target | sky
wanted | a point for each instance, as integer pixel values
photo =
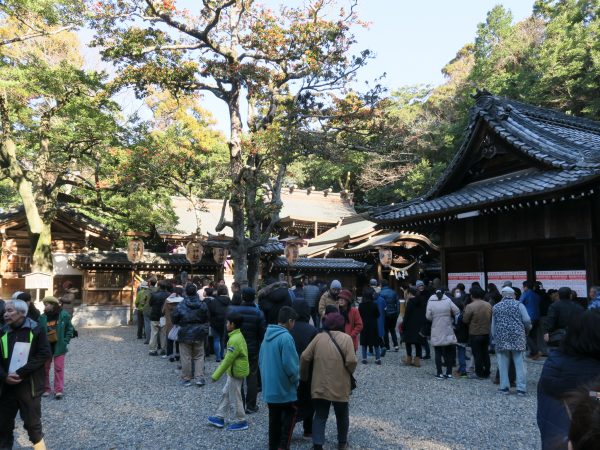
(413, 40)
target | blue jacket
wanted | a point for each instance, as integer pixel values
(392, 305)
(279, 366)
(561, 374)
(381, 319)
(594, 304)
(532, 302)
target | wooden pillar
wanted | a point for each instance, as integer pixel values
(316, 229)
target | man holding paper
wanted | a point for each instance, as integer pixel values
(24, 349)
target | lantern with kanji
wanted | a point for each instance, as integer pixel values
(135, 251)
(220, 255)
(194, 251)
(291, 253)
(385, 257)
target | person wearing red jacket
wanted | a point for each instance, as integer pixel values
(353, 323)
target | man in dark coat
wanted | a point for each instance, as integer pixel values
(303, 333)
(218, 311)
(412, 323)
(272, 298)
(21, 389)
(157, 334)
(253, 329)
(560, 314)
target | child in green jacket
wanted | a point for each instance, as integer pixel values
(237, 367)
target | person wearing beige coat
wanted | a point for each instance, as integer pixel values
(441, 313)
(331, 377)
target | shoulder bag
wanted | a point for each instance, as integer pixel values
(352, 379)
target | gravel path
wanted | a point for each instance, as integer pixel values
(117, 397)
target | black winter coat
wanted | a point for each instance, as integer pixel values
(561, 374)
(271, 299)
(560, 314)
(157, 300)
(218, 312)
(253, 327)
(369, 313)
(32, 373)
(414, 320)
(191, 314)
(303, 332)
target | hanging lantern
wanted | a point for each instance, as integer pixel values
(135, 251)
(194, 251)
(220, 255)
(291, 253)
(385, 257)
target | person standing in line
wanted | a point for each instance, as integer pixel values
(440, 311)
(461, 330)
(531, 300)
(253, 329)
(141, 298)
(510, 325)
(573, 365)
(158, 336)
(330, 297)
(218, 310)
(424, 295)
(303, 333)
(56, 322)
(380, 302)
(560, 315)
(312, 295)
(412, 323)
(147, 309)
(170, 304)
(369, 336)
(274, 296)
(594, 298)
(191, 314)
(478, 315)
(392, 311)
(352, 322)
(21, 390)
(279, 366)
(333, 359)
(235, 363)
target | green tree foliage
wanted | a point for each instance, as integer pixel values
(551, 59)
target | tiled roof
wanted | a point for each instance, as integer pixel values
(315, 206)
(566, 148)
(523, 184)
(322, 264)
(350, 228)
(64, 212)
(119, 259)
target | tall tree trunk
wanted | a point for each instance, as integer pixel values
(239, 248)
(39, 227)
(253, 267)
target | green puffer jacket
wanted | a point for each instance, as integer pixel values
(64, 331)
(236, 358)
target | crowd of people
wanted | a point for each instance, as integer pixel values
(298, 345)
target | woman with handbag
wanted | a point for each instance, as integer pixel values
(170, 304)
(191, 315)
(333, 360)
(440, 312)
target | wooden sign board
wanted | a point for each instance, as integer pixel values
(38, 280)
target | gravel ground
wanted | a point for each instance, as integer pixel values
(117, 397)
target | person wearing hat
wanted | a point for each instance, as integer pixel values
(143, 295)
(56, 322)
(333, 360)
(352, 322)
(510, 325)
(330, 297)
